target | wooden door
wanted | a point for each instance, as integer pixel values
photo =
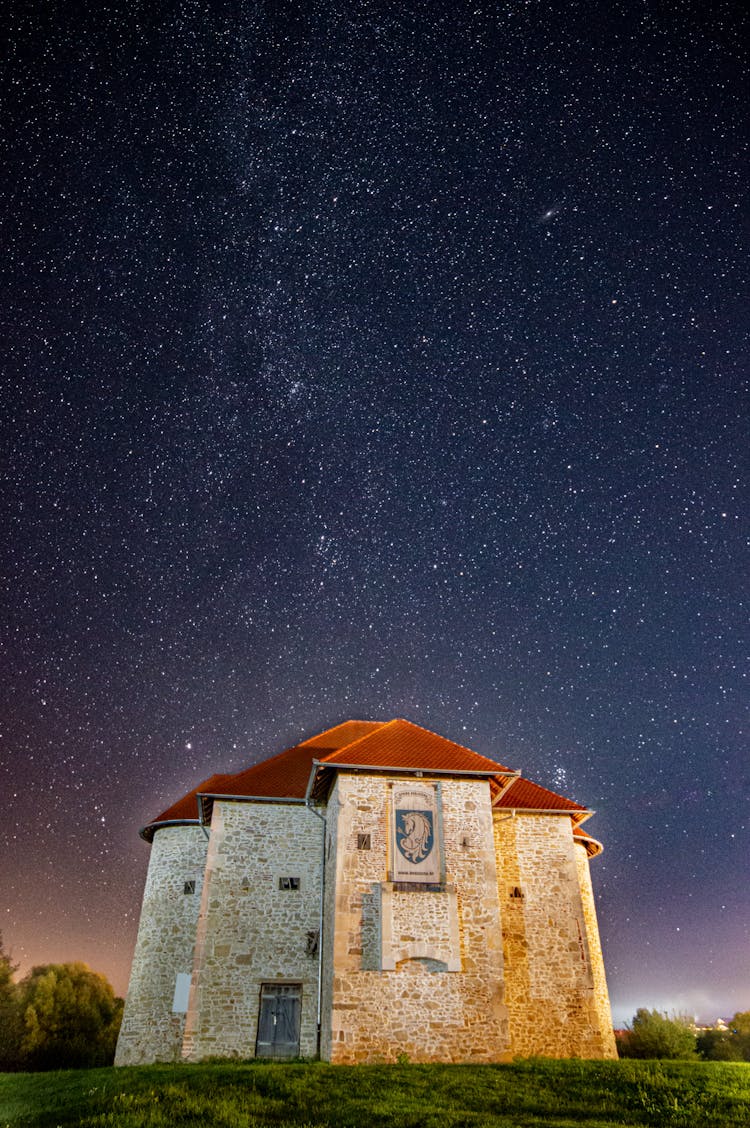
(279, 1020)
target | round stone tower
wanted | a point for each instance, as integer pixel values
(585, 848)
(153, 1023)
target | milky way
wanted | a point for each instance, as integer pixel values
(374, 360)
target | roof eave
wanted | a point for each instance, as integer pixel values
(486, 773)
(251, 798)
(206, 800)
(148, 831)
(592, 846)
(313, 791)
(576, 813)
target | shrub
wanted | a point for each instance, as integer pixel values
(653, 1034)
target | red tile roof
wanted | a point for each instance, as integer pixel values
(282, 776)
(523, 795)
(396, 745)
(400, 744)
(340, 735)
(187, 807)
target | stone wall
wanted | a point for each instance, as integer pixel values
(250, 931)
(412, 972)
(601, 994)
(549, 977)
(151, 1030)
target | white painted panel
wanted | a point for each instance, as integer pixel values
(181, 993)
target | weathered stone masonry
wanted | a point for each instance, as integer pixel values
(550, 966)
(152, 1030)
(283, 925)
(413, 972)
(251, 931)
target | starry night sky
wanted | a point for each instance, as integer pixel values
(375, 359)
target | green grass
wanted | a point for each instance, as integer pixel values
(539, 1092)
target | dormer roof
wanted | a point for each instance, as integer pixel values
(400, 746)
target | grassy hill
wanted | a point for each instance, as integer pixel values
(541, 1092)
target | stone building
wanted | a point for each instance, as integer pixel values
(374, 891)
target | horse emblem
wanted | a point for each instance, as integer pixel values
(414, 834)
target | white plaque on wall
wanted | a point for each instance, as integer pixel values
(181, 992)
(415, 833)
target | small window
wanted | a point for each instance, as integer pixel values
(516, 893)
(288, 883)
(312, 941)
(363, 841)
(189, 887)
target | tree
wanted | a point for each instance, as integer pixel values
(740, 1027)
(653, 1034)
(719, 1045)
(10, 1016)
(71, 1017)
(732, 1044)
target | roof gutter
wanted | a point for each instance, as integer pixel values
(486, 773)
(154, 826)
(577, 814)
(206, 797)
(386, 769)
(251, 798)
(545, 810)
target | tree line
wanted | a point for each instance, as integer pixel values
(653, 1034)
(60, 1016)
(66, 1016)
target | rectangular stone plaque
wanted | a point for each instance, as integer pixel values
(415, 833)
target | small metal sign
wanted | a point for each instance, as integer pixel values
(415, 834)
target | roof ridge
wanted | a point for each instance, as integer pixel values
(359, 740)
(317, 737)
(398, 722)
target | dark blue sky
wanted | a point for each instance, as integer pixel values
(372, 362)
